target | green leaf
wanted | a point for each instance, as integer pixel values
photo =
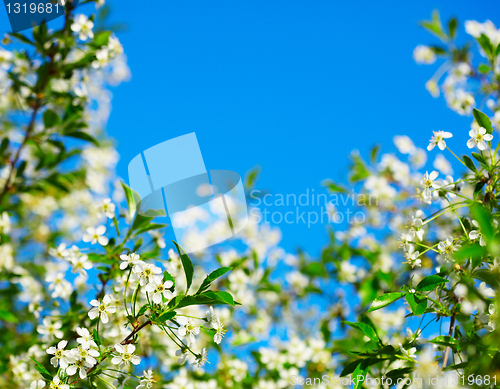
(83, 136)
(221, 296)
(483, 120)
(468, 162)
(252, 177)
(360, 371)
(150, 227)
(351, 367)
(430, 282)
(8, 316)
(22, 38)
(363, 328)
(166, 316)
(438, 50)
(42, 370)
(374, 153)
(484, 68)
(399, 372)
(470, 251)
(385, 300)
(130, 199)
(4, 145)
(452, 27)
(434, 26)
(50, 118)
(485, 43)
(102, 38)
(417, 304)
(457, 366)
(480, 159)
(333, 187)
(483, 217)
(206, 298)
(141, 221)
(96, 337)
(315, 269)
(445, 340)
(187, 264)
(211, 278)
(359, 170)
(143, 310)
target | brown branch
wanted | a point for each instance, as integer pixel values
(450, 333)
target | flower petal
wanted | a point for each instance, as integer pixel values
(119, 348)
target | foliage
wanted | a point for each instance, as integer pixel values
(371, 305)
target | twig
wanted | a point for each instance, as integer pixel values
(450, 333)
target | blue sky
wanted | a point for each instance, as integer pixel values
(292, 86)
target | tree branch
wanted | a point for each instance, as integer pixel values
(450, 333)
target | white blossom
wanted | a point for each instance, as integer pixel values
(83, 26)
(5, 223)
(447, 247)
(479, 137)
(439, 139)
(410, 353)
(59, 353)
(146, 272)
(474, 234)
(188, 327)
(129, 260)
(432, 87)
(159, 289)
(125, 355)
(102, 309)
(404, 144)
(424, 55)
(427, 182)
(50, 329)
(81, 264)
(201, 358)
(220, 331)
(102, 59)
(107, 208)
(416, 229)
(147, 380)
(37, 384)
(412, 257)
(85, 339)
(58, 384)
(95, 235)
